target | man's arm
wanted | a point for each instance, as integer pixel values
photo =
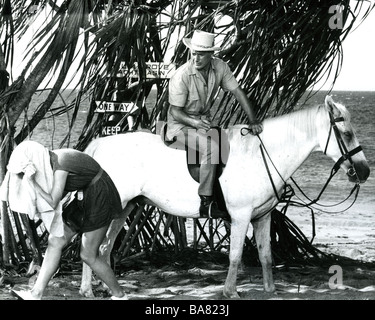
(255, 126)
(182, 117)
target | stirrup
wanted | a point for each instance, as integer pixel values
(220, 214)
(209, 210)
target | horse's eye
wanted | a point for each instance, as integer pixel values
(347, 134)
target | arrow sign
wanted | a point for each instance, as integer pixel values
(110, 106)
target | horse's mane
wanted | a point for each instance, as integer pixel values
(286, 122)
(287, 128)
(344, 111)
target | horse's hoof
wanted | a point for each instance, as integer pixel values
(86, 293)
(33, 269)
(231, 295)
(271, 289)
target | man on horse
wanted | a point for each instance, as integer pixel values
(192, 90)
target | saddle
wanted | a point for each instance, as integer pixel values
(195, 167)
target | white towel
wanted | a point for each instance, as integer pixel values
(27, 157)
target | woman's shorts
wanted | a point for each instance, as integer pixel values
(101, 204)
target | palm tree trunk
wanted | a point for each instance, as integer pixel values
(4, 77)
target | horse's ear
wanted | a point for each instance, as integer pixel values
(330, 105)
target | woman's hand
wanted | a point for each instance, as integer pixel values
(30, 172)
(54, 196)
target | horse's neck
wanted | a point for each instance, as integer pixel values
(288, 140)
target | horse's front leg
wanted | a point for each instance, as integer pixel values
(237, 238)
(262, 232)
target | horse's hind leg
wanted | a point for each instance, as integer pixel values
(262, 232)
(237, 238)
(86, 288)
(105, 249)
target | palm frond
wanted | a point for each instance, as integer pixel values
(277, 50)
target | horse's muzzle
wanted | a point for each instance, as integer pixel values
(359, 172)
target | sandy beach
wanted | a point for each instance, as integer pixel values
(200, 276)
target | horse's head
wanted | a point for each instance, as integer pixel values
(338, 140)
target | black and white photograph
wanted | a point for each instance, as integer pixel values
(187, 156)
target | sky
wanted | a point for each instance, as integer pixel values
(358, 69)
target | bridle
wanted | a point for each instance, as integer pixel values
(345, 154)
(288, 192)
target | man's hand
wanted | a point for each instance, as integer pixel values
(179, 115)
(203, 124)
(255, 127)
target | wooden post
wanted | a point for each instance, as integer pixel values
(16, 253)
(131, 229)
(5, 233)
(32, 234)
(4, 211)
(202, 232)
(157, 232)
(21, 236)
(137, 232)
(183, 231)
(211, 233)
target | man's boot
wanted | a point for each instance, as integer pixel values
(209, 209)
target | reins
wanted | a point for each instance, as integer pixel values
(345, 155)
(288, 191)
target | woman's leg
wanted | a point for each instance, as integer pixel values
(90, 255)
(51, 261)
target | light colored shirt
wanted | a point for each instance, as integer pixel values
(189, 90)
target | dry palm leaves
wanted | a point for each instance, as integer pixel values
(277, 49)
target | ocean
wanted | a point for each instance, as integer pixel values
(311, 176)
(315, 171)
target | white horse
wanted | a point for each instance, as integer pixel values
(141, 165)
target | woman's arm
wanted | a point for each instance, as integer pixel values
(59, 180)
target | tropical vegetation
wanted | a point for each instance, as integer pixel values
(278, 49)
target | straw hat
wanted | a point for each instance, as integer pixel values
(201, 41)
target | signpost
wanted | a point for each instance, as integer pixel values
(114, 106)
(110, 130)
(154, 70)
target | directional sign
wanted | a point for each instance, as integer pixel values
(154, 70)
(110, 130)
(108, 106)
